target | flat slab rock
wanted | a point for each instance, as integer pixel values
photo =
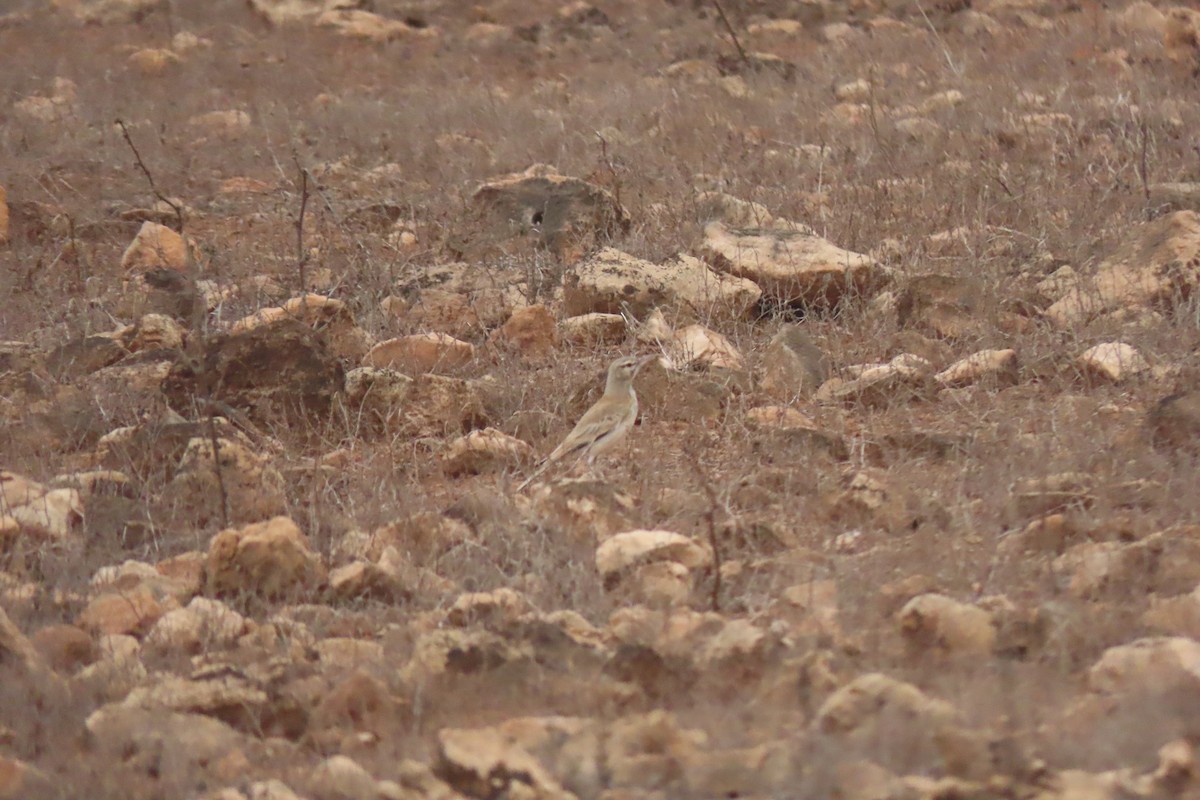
(792, 267)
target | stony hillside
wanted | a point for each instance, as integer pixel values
(298, 292)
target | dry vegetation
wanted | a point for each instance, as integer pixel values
(912, 583)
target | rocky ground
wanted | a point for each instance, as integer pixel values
(297, 292)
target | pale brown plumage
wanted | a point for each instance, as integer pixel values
(605, 423)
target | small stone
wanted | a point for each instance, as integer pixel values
(996, 368)
(267, 559)
(1112, 361)
(203, 625)
(934, 623)
(697, 346)
(593, 329)
(423, 352)
(152, 62)
(624, 550)
(906, 377)
(792, 366)
(483, 451)
(134, 612)
(226, 124)
(156, 247)
(251, 488)
(792, 267)
(66, 648)
(532, 330)
(611, 280)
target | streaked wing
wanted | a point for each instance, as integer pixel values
(600, 420)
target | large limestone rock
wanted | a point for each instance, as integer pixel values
(541, 208)
(992, 368)
(421, 352)
(155, 247)
(1148, 666)
(327, 315)
(1158, 266)
(792, 366)
(267, 559)
(1113, 362)
(792, 267)
(484, 450)
(939, 625)
(281, 370)
(253, 487)
(610, 280)
(904, 378)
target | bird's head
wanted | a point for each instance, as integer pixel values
(622, 371)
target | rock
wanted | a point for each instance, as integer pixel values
(732, 211)
(670, 395)
(1174, 422)
(633, 548)
(1181, 34)
(1155, 268)
(1091, 569)
(479, 762)
(228, 124)
(697, 346)
(156, 247)
(500, 609)
(155, 332)
(362, 580)
(35, 510)
(253, 489)
(945, 306)
(439, 311)
(279, 12)
(1148, 667)
(359, 24)
(906, 377)
(422, 352)
(531, 330)
(267, 559)
(543, 209)
(1049, 534)
(19, 779)
(483, 451)
(611, 280)
(992, 368)
(342, 778)
(464, 652)
(792, 366)
(83, 356)
(145, 739)
(440, 406)
(589, 330)
(152, 62)
(650, 751)
(203, 626)
(378, 395)
(936, 624)
(127, 612)
(1115, 362)
(65, 648)
(792, 267)
(283, 370)
(324, 314)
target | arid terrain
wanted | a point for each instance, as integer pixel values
(296, 293)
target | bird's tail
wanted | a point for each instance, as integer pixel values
(536, 473)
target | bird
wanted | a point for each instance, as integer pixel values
(606, 422)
